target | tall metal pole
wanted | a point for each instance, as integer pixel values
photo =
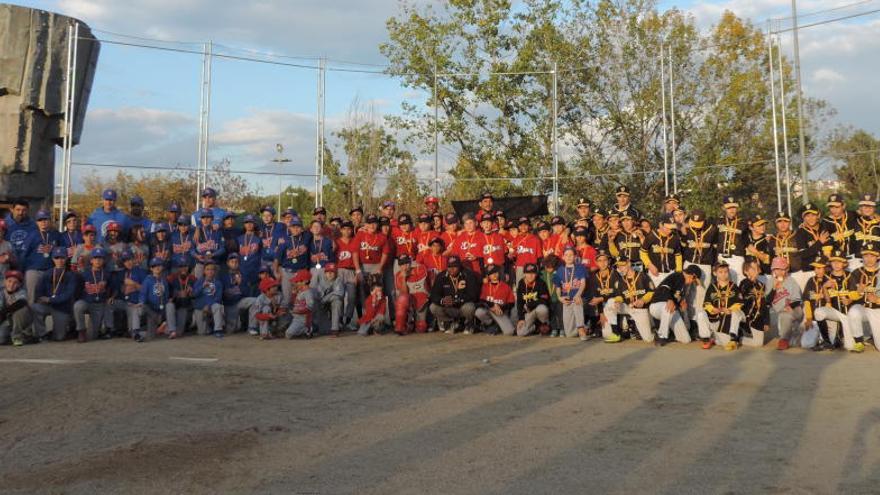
(323, 120)
(672, 112)
(436, 137)
(72, 121)
(201, 143)
(800, 102)
(208, 113)
(318, 140)
(773, 109)
(663, 106)
(784, 125)
(555, 142)
(66, 137)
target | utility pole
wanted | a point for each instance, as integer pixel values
(436, 138)
(800, 102)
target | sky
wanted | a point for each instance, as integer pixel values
(144, 104)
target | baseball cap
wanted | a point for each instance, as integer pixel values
(782, 216)
(174, 208)
(101, 253)
(697, 219)
(530, 268)
(183, 220)
(42, 215)
(70, 214)
(451, 218)
(371, 219)
(404, 219)
(330, 267)
(14, 274)
(319, 211)
(109, 194)
(270, 209)
(348, 224)
(162, 227)
(156, 262)
(388, 203)
(89, 228)
(60, 252)
(486, 195)
(557, 220)
(356, 209)
(206, 213)
(424, 218)
(730, 202)
(249, 219)
(296, 221)
(491, 269)
(454, 261)
(672, 198)
(819, 261)
(136, 201)
(622, 191)
(114, 227)
(404, 259)
(694, 270)
(126, 255)
(431, 199)
(809, 208)
(835, 199)
(584, 202)
(867, 199)
(757, 220)
(209, 192)
(232, 256)
(267, 283)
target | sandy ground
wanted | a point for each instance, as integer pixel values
(426, 414)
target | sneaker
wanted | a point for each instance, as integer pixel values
(707, 344)
(660, 341)
(554, 333)
(218, 334)
(467, 331)
(613, 338)
(730, 346)
(253, 332)
(782, 345)
(172, 335)
(106, 336)
(858, 347)
(266, 336)
(138, 337)
(17, 342)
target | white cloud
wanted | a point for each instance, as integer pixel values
(830, 76)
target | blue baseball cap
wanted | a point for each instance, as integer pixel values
(126, 255)
(232, 256)
(291, 212)
(181, 262)
(162, 227)
(156, 262)
(109, 194)
(268, 208)
(229, 214)
(209, 192)
(42, 215)
(99, 253)
(206, 212)
(174, 207)
(59, 252)
(296, 221)
(183, 220)
(249, 219)
(136, 201)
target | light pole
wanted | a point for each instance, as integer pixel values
(280, 160)
(800, 102)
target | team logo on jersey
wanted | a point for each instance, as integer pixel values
(344, 255)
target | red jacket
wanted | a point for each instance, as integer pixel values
(372, 308)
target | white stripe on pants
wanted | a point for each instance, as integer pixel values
(667, 320)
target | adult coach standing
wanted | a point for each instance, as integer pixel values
(107, 213)
(209, 202)
(18, 226)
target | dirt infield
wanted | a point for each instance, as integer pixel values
(427, 414)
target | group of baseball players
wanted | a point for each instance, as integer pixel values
(609, 273)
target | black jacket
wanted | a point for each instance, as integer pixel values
(464, 288)
(529, 297)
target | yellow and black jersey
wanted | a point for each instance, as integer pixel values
(663, 251)
(731, 236)
(759, 249)
(867, 232)
(754, 303)
(840, 292)
(864, 282)
(815, 295)
(843, 231)
(808, 244)
(600, 285)
(700, 246)
(782, 245)
(626, 244)
(719, 297)
(628, 289)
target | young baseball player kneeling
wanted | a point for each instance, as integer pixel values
(302, 305)
(496, 299)
(755, 309)
(272, 317)
(16, 319)
(375, 315)
(411, 301)
(631, 294)
(718, 321)
(867, 310)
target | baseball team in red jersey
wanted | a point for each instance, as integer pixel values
(608, 274)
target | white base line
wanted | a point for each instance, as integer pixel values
(195, 360)
(41, 361)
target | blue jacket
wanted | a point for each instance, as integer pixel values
(16, 234)
(269, 236)
(181, 247)
(234, 291)
(100, 218)
(146, 222)
(324, 246)
(287, 251)
(250, 252)
(137, 274)
(154, 293)
(64, 283)
(33, 258)
(68, 240)
(219, 213)
(209, 241)
(97, 287)
(207, 293)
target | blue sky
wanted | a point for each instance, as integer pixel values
(144, 104)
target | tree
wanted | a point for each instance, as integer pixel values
(855, 150)
(609, 98)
